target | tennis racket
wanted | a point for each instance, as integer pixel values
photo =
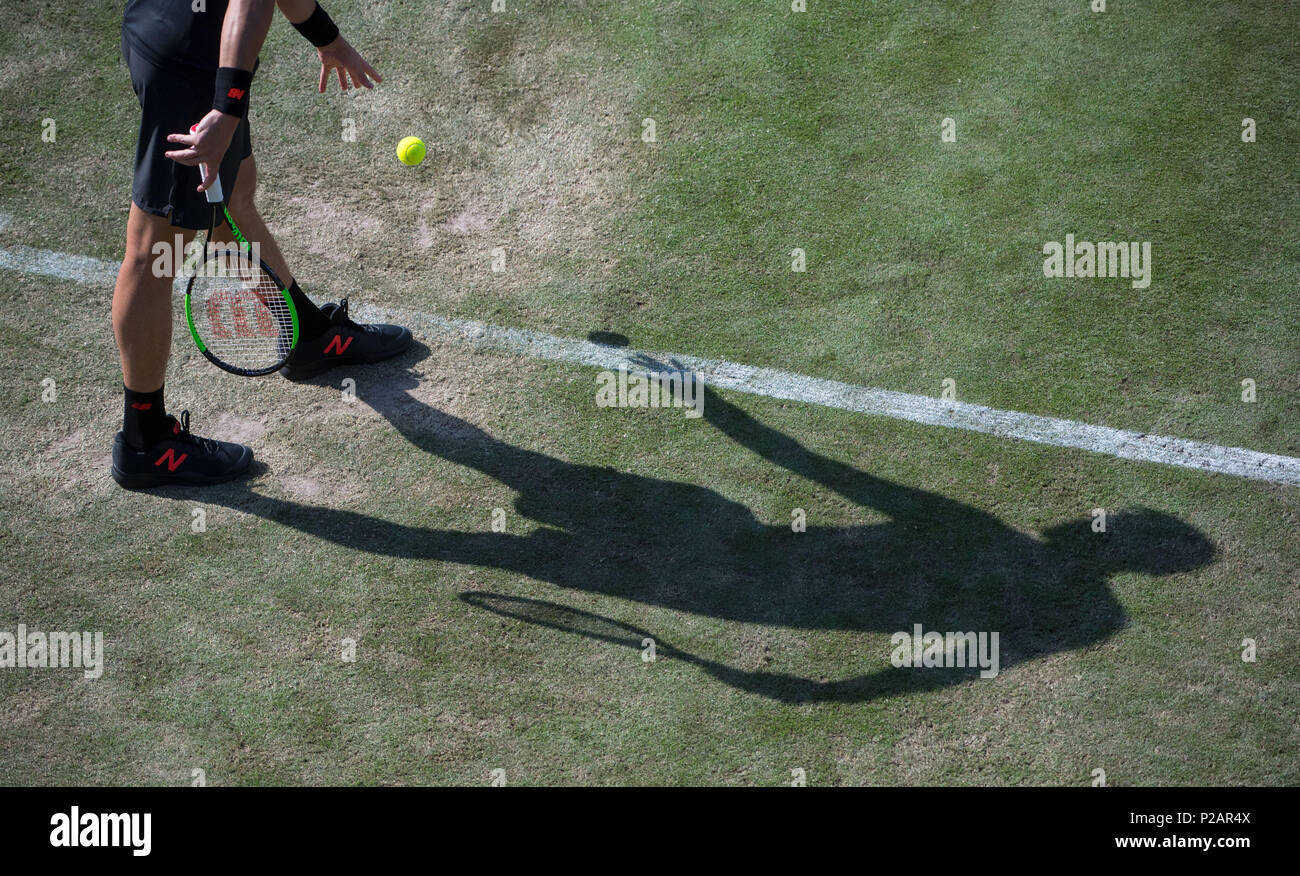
(239, 313)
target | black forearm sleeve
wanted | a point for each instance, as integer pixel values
(319, 29)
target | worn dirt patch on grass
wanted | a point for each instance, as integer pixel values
(524, 154)
(231, 427)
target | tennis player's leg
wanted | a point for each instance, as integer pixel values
(153, 448)
(243, 207)
(142, 302)
(326, 336)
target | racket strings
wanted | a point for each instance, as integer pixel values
(240, 312)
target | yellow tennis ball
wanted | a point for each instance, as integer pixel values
(410, 150)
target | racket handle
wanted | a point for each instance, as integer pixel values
(213, 191)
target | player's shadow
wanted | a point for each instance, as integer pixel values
(671, 543)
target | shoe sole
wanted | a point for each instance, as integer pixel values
(143, 481)
(320, 366)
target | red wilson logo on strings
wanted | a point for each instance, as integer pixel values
(240, 314)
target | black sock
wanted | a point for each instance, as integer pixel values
(144, 419)
(311, 322)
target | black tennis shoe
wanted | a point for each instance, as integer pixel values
(344, 343)
(180, 458)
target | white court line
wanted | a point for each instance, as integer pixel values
(1120, 443)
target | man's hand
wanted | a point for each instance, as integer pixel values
(340, 57)
(206, 143)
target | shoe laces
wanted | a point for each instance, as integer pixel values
(181, 432)
(341, 315)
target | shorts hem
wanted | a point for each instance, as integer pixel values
(166, 212)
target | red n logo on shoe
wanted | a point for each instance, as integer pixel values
(141, 406)
(172, 460)
(337, 345)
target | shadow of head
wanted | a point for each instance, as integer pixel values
(608, 339)
(1141, 540)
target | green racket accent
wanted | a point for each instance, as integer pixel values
(293, 315)
(234, 230)
(194, 333)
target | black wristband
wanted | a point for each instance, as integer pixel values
(231, 93)
(319, 28)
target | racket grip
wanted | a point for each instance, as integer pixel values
(214, 193)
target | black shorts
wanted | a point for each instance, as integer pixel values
(171, 99)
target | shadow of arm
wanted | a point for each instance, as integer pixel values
(896, 500)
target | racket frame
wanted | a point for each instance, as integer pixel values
(216, 198)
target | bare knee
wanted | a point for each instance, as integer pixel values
(148, 268)
(154, 249)
(137, 263)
